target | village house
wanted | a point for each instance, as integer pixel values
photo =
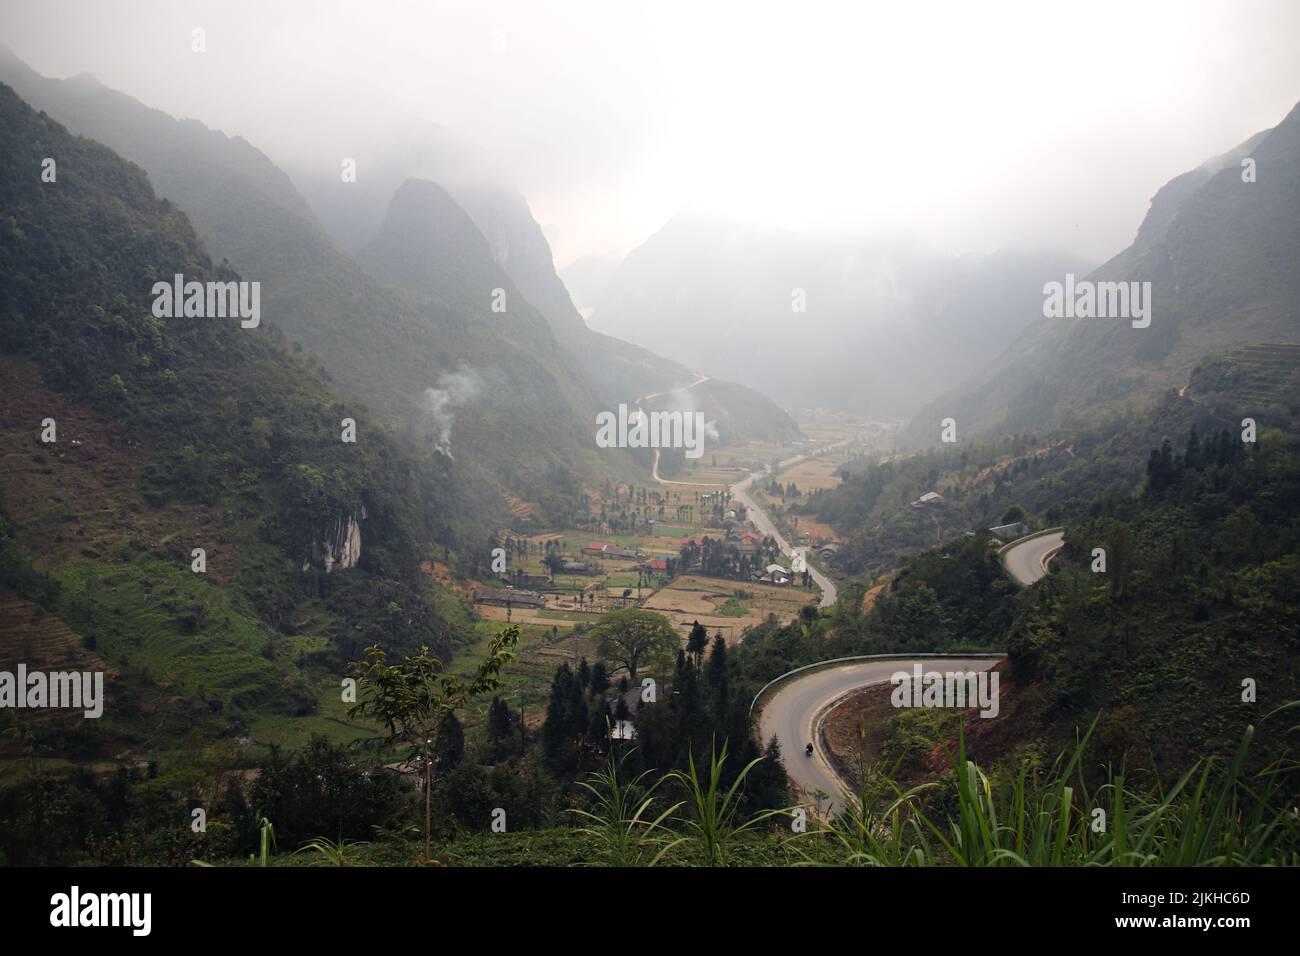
(510, 597)
(772, 574)
(606, 550)
(521, 580)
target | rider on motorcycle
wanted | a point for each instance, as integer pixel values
(809, 749)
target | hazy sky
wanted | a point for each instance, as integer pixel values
(971, 125)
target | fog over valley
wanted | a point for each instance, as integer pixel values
(442, 434)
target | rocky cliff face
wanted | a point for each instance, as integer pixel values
(340, 547)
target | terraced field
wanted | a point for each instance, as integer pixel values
(1252, 374)
(32, 635)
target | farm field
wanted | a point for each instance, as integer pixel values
(690, 598)
(555, 633)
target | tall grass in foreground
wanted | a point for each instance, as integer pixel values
(620, 822)
(713, 827)
(879, 825)
(1211, 816)
(1215, 814)
(329, 852)
(620, 819)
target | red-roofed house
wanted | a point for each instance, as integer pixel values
(607, 550)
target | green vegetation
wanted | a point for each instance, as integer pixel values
(1212, 815)
(633, 638)
(222, 439)
(1047, 476)
(1197, 596)
(1210, 294)
(732, 607)
(1157, 674)
(415, 700)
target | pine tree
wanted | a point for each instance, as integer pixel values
(715, 672)
(555, 728)
(599, 678)
(498, 728)
(449, 745)
(697, 643)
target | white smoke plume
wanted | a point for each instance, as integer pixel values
(453, 389)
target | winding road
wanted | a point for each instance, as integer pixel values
(795, 710)
(794, 713)
(1026, 559)
(641, 418)
(740, 491)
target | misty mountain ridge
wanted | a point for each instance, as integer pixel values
(620, 371)
(168, 435)
(1223, 259)
(587, 279)
(870, 325)
(390, 346)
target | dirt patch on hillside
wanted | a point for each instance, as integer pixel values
(869, 599)
(33, 636)
(76, 498)
(858, 730)
(442, 575)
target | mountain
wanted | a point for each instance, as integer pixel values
(619, 371)
(587, 279)
(409, 359)
(133, 435)
(425, 362)
(875, 327)
(1220, 253)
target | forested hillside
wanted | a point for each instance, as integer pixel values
(1042, 477)
(130, 440)
(381, 344)
(1219, 246)
(376, 345)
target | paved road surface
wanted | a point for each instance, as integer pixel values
(1027, 560)
(790, 712)
(740, 491)
(639, 415)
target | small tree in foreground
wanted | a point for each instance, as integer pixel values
(415, 698)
